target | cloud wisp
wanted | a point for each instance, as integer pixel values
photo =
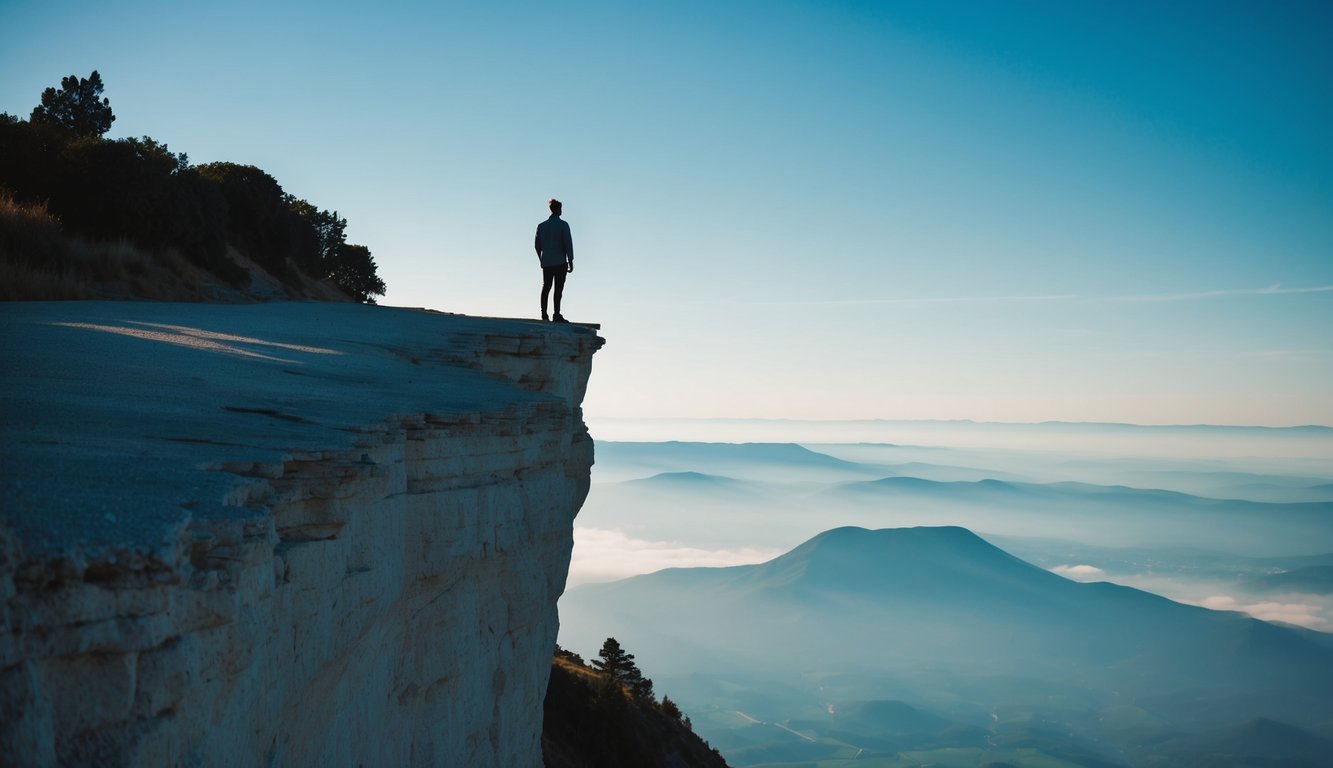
(1273, 290)
(1301, 614)
(602, 554)
(1080, 572)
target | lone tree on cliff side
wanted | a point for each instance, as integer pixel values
(76, 107)
(620, 668)
(614, 661)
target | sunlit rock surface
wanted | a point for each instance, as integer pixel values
(295, 534)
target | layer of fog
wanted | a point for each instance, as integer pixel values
(607, 555)
(1077, 499)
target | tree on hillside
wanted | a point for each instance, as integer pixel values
(642, 687)
(328, 227)
(353, 270)
(150, 150)
(75, 107)
(259, 222)
(619, 667)
(614, 661)
(671, 709)
(24, 167)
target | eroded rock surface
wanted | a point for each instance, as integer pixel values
(295, 534)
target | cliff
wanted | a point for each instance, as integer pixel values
(302, 534)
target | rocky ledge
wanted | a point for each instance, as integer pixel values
(296, 533)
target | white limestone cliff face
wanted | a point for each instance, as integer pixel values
(288, 534)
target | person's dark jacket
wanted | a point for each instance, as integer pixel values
(555, 245)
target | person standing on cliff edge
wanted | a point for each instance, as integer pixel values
(555, 250)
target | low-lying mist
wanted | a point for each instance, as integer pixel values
(1193, 513)
(789, 644)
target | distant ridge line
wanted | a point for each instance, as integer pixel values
(969, 422)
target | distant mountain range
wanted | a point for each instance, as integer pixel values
(941, 603)
(716, 494)
(687, 480)
(1117, 514)
(785, 461)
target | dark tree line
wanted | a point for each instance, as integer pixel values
(138, 190)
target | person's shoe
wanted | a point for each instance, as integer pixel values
(560, 319)
(545, 318)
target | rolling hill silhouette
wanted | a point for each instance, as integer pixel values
(906, 600)
(746, 461)
(692, 482)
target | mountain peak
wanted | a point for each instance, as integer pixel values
(896, 560)
(918, 533)
(920, 542)
(684, 479)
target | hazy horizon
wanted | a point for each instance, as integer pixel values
(662, 428)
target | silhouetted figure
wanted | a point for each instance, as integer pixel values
(555, 249)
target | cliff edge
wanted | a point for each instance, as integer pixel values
(295, 533)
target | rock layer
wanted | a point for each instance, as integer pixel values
(300, 534)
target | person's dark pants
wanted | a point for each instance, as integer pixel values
(554, 275)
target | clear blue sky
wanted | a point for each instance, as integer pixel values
(997, 211)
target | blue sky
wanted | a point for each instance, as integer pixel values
(824, 210)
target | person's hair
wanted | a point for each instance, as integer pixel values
(555, 206)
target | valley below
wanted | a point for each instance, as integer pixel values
(885, 604)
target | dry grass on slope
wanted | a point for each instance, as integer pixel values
(40, 262)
